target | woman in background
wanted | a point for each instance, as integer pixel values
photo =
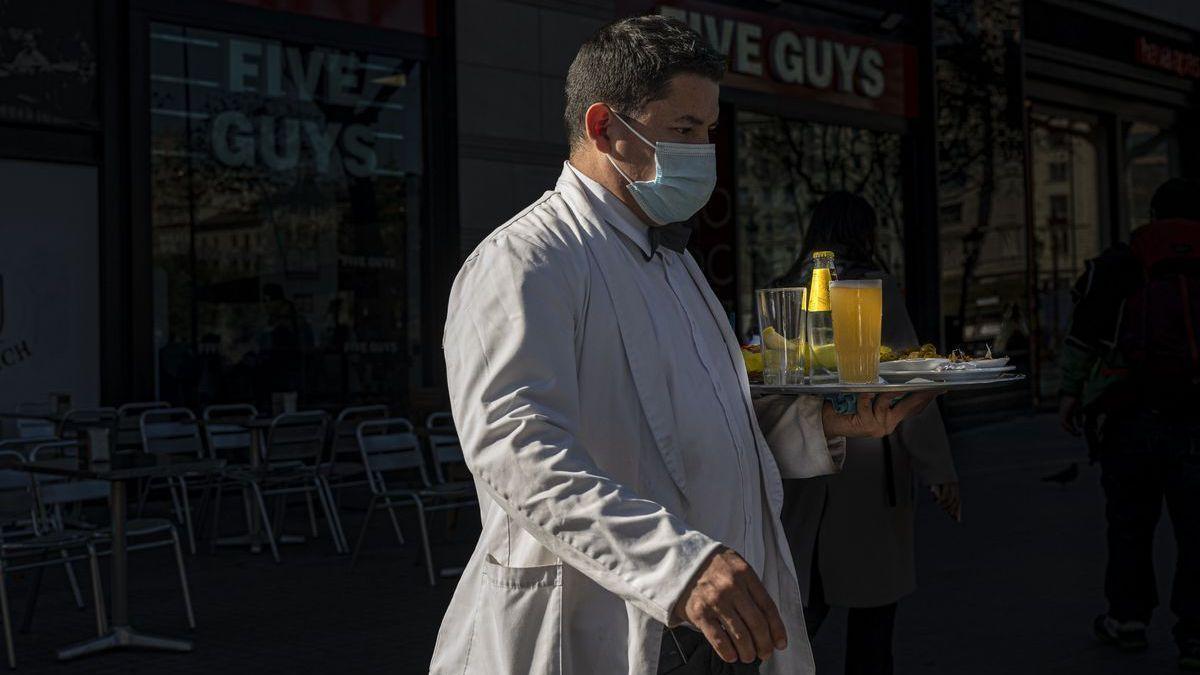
(851, 533)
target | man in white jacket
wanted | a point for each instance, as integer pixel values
(630, 502)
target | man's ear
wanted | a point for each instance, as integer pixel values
(595, 124)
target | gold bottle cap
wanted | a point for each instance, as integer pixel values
(818, 255)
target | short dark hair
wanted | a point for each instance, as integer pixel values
(845, 223)
(1176, 198)
(630, 62)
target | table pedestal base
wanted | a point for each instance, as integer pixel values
(123, 637)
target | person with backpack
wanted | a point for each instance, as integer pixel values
(1131, 377)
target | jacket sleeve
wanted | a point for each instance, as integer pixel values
(510, 347)
(794, 433)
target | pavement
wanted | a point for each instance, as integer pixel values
(1013, 589)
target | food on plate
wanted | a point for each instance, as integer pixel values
(752, 355)
(925, 351)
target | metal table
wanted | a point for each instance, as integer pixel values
(120, 633)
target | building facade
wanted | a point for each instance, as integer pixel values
(215, 200)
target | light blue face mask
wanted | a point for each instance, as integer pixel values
(684, 177)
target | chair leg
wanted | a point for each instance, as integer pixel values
(335, 522)
(175, 504)
(425, 540)
(31, 602)
(97, 592)
(362, 533)
(8, 637)
(266, 520)
(329, 513)
(312, 516)
(183, 580)
(142, 494)
(395, 520)
(187, 515)
(215, 529)
(73, 581)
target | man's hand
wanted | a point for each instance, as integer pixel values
(1069, 415)
(728, 603)
(947, 496)
(877, 418)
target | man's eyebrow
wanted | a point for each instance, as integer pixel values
(689, 119)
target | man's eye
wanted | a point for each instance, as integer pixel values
(682, 130)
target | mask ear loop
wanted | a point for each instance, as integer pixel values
(629, 181)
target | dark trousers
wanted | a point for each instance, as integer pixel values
(1144, 461)
(687, 652)
(868, 630)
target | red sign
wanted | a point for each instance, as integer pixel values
(412, 16)
(791, 59)
(1163, 57)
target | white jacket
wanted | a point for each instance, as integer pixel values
(561, 408)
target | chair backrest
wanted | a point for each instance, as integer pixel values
(444, 446)
(223, 433)
(22, 446)
(59, 490)
(16, 495)
(296, 436)
(345, 426)
(129, 422)
(35, 427)
(78, 419)
(171, 431)
(389, 446)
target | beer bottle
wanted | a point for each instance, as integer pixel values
(822, 358)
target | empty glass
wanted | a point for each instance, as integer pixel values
(782, 315)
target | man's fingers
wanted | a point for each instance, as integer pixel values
(714, 632)
(774, 621)
(755, 620)
(742, 636)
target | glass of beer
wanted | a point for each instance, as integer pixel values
(781, 322)
(857, 315)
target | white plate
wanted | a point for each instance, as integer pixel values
(1002, 380)
(951, 375)
(912, 365)
(998, 362)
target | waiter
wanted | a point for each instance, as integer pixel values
(630, 503)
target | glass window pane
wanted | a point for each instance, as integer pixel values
(285, 200)
(784, 167)
(1149, 151)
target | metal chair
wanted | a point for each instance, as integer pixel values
(226, 438)
(18, 504)
(129, 423)
(90, 418)
(34, 427)
(391, 452)
(170, 432)
(55, 494)
(444, 446)
(22, 446)
(343, 468)
(290, 465)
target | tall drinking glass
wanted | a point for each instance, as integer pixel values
(857, 315)
(781, 322)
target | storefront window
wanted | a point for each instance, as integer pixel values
(784, 167)
(1068, 226)
(981, 177)
(48, 63)
(286, 187)
(1149, 159)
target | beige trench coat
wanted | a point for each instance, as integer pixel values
(565, 423)
(862, 530)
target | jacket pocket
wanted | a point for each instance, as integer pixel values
(519, 626)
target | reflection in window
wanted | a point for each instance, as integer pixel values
(784, 167)
(1149, 158)
(1068, 228)
(980, 169)
(285, 189)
